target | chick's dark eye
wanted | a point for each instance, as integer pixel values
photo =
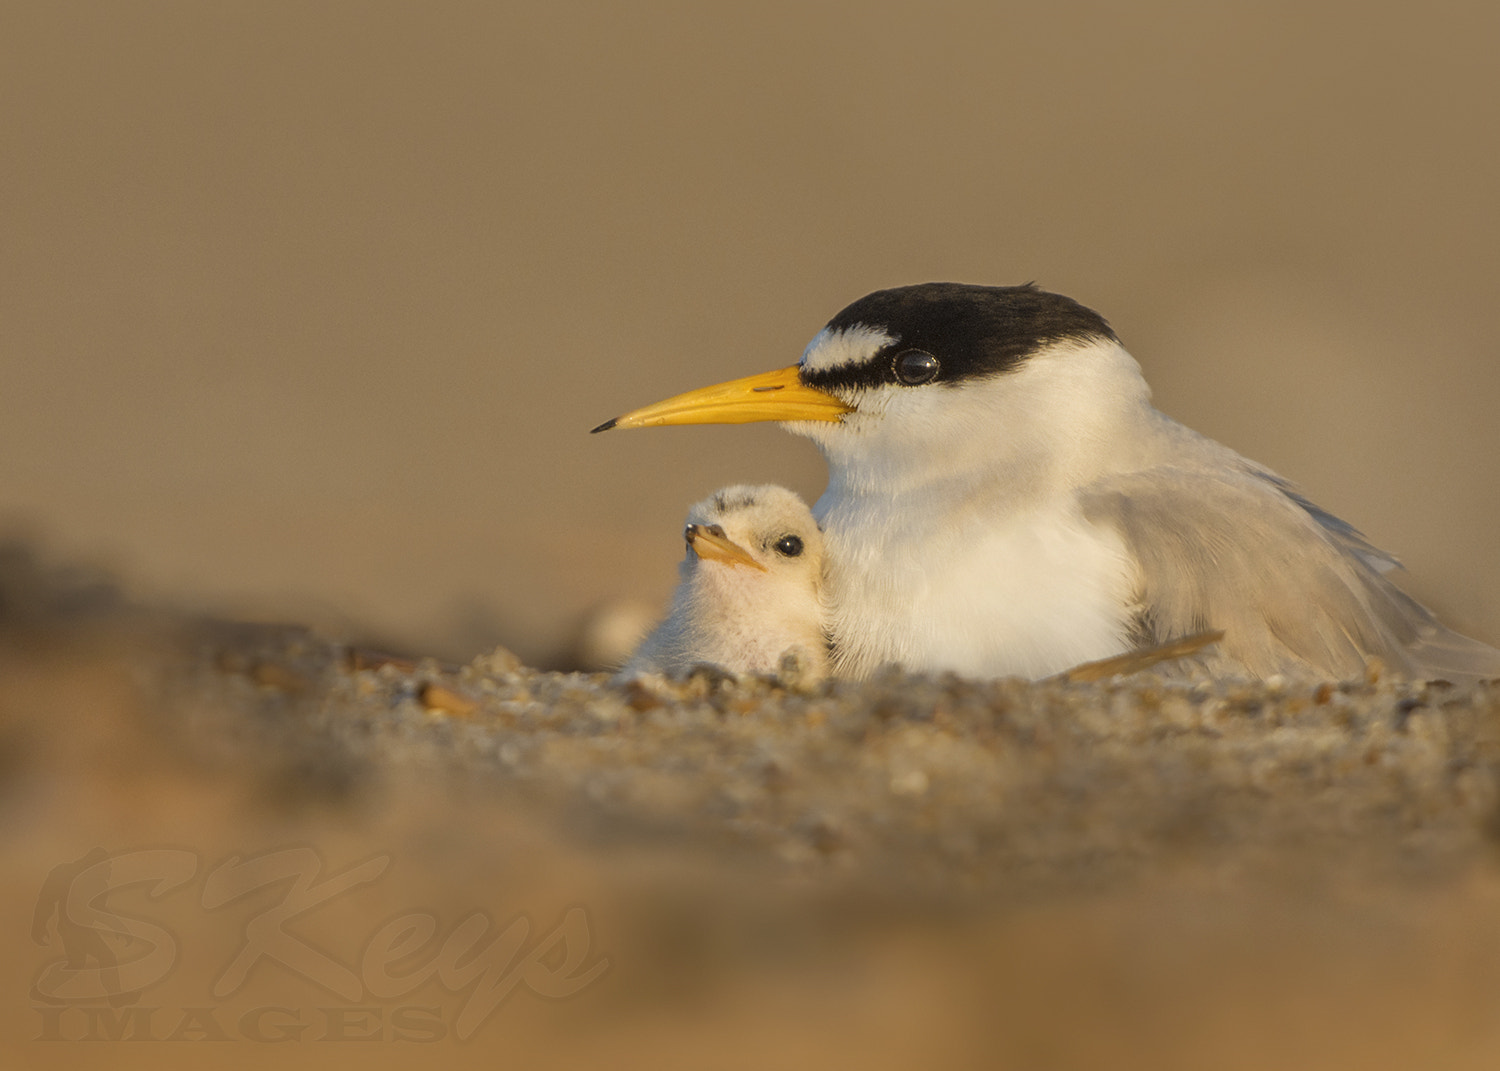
(915, 367)
(791, 546)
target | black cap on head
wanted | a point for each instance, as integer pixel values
(973, 331)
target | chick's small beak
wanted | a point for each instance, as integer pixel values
(711, 544)
(778, 395)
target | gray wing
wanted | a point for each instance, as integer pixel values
(1295, 589)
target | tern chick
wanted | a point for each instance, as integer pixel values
(750, 592)
(1004, 499)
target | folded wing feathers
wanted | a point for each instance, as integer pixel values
(1294, 588)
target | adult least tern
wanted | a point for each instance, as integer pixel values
(750, 589)
(1004, 499)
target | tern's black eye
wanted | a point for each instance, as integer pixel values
(791, 546)
(915, 367)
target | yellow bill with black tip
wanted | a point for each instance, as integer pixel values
(714, 546)
(778, 395)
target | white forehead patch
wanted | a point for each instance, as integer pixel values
(850, 345)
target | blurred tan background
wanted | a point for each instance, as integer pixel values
(306, 309)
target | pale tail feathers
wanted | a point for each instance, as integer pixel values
(1451, 656)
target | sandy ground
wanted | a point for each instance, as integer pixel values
(543, 870)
